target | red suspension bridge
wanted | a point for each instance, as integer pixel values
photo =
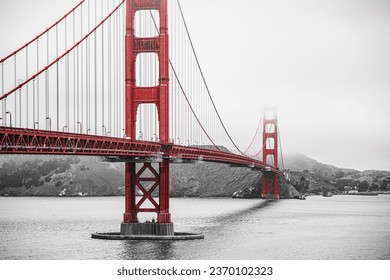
(107, 80)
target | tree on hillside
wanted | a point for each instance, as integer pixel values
(355, 183)
(385, 184)
(363, 186)
(340, 174)
(302, 185)
(341, 183)
(374, 187)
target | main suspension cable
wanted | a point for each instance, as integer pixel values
(43, 33)
(185, 96)
(280, 146)
(204, 80)
(254, 137)
(49, 65)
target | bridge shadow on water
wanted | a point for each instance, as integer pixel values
(226, 218)
(212, 228)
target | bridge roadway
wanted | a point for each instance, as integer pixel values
(45, 142)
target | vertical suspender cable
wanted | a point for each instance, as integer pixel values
(20, 107)
(204, 80)
(15, 86)
(74, 75)
(154, 80)
(190, 96)
(103, 127)
(118, 73)
(141, 79)
(139, 59)
(182, 71)
(157, 75)
(81, 120)
(88, 73)
(87, 88)
(178, 95)
(148, 62)
(119, 65)
(95, 74)
(78, 91)
(2, 92)
(113, 103)
(121, 71)
(66, 79)
(58, 87)
(190, 91)
(33, 103)
(115, 39)
(109, 70)
(27, 105)
(280, 146)
(185, 79)
(47, 82)
(116, 56)
(38, 93)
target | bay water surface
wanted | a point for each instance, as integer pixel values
(338, 227)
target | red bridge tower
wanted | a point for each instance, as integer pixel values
(270, 153)
(135, 96)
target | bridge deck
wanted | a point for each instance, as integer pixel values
(44, 142)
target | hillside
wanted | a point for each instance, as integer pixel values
(308, 175)
(52, 176)
(299, 162)
(70, 176)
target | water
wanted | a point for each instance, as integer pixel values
(340, 227)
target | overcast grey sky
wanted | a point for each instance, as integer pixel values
(325, 64)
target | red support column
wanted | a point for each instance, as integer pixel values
(276, 186)
(135, 96)
(164, 74)
(130, 215)
(164, 217)
(270, 153)
(264, 190)
(130, 82)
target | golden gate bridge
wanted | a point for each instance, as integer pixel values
(110, 79)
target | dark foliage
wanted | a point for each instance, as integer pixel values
(31, 173)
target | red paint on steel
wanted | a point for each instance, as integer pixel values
(130, 215)
(270, 151)
(45, 142)
(54, 62)
(42, 33)
(158, 95)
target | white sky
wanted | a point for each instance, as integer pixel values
(325, 64)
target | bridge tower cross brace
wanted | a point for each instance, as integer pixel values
(135, 96)
(270, 153)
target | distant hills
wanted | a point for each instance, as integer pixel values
(53, 176)
(313, 176)
(73, 176)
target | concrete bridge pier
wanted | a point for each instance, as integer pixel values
(141, 229)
